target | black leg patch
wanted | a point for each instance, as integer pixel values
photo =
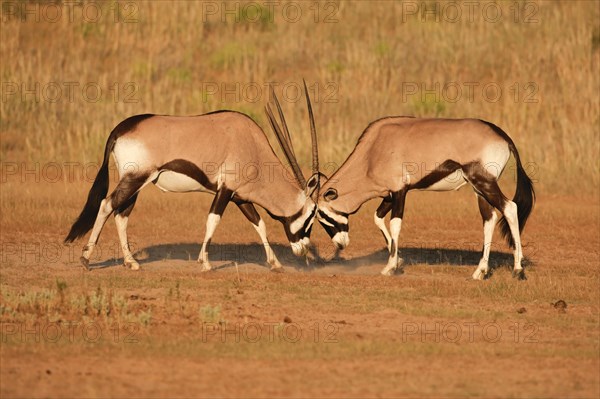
(125, 190)
(249, 211)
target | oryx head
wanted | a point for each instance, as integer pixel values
(333, 221)
(298, 226)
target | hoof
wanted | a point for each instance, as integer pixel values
(392, 271)
(519, 274)
(132, 265)
(206, 267)
(85, 262)
(482, 274)
(277, 269)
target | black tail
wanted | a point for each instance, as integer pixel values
(524, 198)
(97, 193)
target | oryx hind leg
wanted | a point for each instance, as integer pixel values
(259, 225)
(121, 219)
(128, 186)
(379, 219)
(489, 217)
(487, 186)
(222, 198)
(398, 200)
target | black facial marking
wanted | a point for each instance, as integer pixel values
(337, 226)
(288, 220)
(330, 230)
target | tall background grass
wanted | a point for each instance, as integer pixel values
(359, 64)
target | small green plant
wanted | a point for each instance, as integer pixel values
(61, 287)
(210, 314)
(428, 106)
(180, 75)
(145, 317)
(382, 49)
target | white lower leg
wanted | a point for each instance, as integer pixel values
(272, 260)
(103, 214)
(510, 213)
(393, 261)
(380, 222)
(488, 232)
(128, 259)
(211, 224)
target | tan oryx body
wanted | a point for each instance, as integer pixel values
(397, 154)
(224, 153)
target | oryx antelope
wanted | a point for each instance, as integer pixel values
(201, 153)
(397, 154)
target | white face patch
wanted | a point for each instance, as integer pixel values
(298, 223)
(341, 239)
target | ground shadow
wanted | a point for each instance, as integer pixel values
(226, 255)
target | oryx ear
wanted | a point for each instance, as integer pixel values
(312, 184)
(330, 194)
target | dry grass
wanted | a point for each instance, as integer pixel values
(176, 52)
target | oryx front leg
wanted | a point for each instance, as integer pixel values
(217, 208)
(379, 219)
(272, 260)
(489, 222)
(259, 225)
(394, 260)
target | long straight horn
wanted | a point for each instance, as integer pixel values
(286, 132)
(284, 144)
(313, 133)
